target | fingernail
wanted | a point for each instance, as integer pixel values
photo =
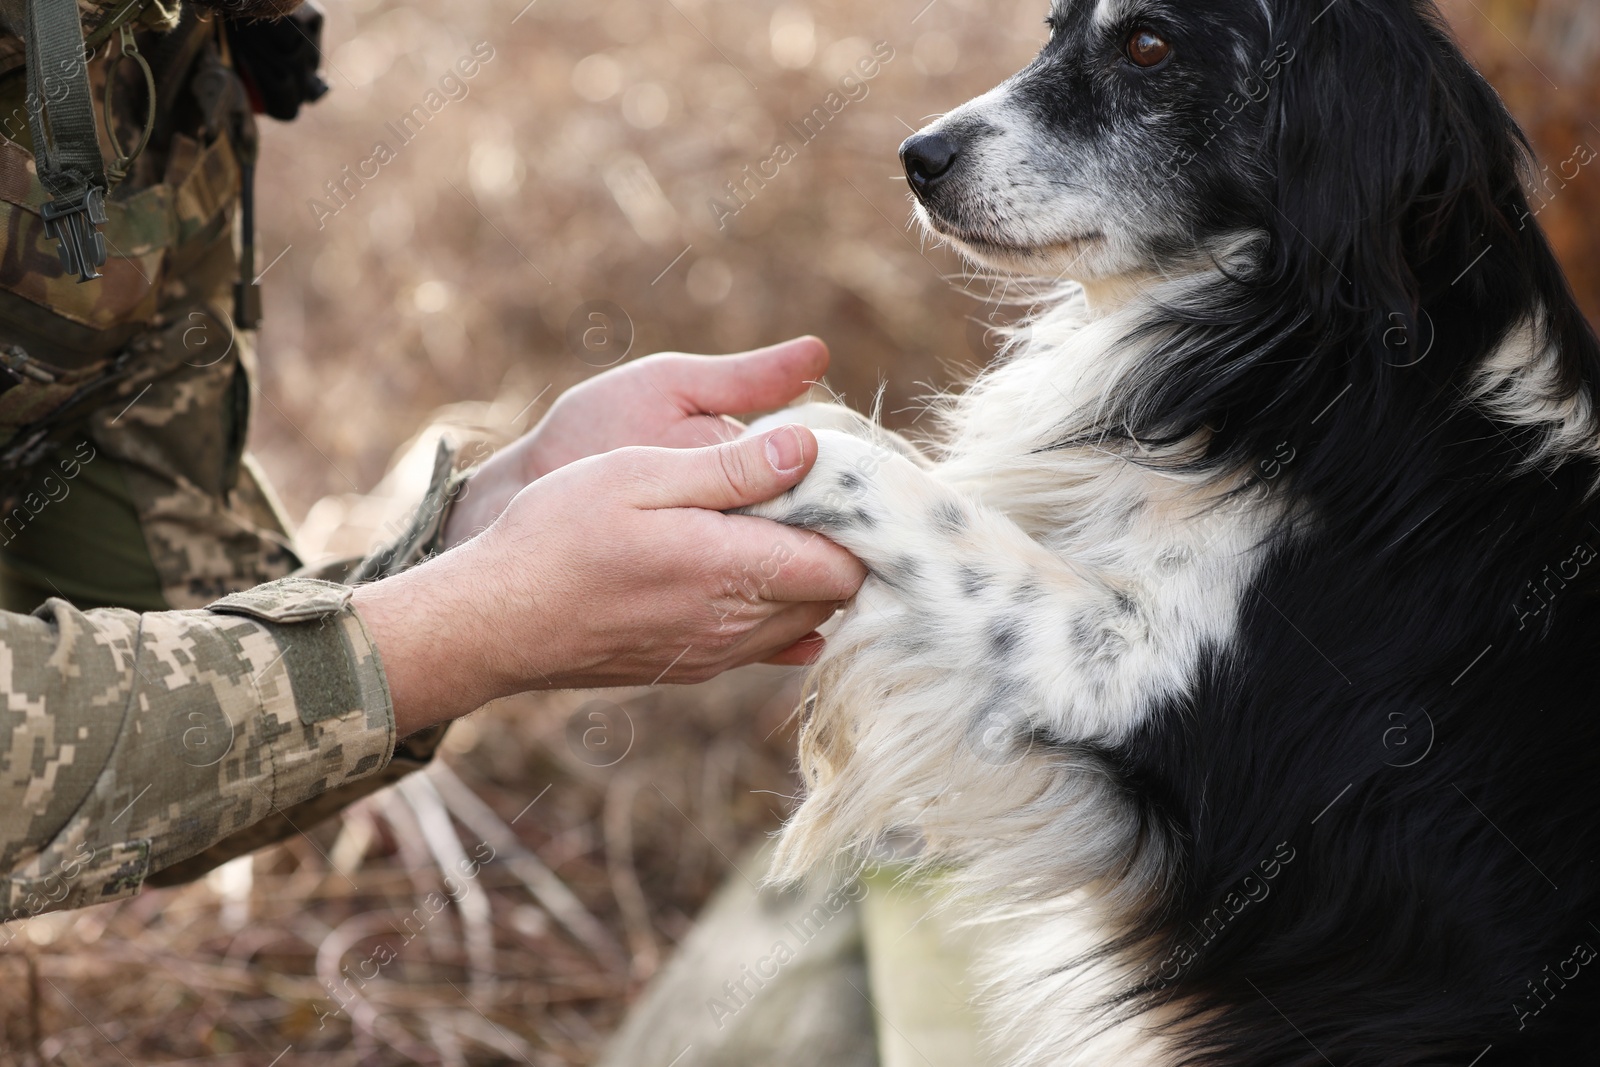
(785, 451)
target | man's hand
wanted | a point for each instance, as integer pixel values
(663, 401)
(619, 569)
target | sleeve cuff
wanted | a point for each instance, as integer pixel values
(265, 700)
(328, 679)
(424, 536)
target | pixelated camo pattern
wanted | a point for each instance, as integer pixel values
(210, 524)
(417, 542)
(134, 742)
(147, 749)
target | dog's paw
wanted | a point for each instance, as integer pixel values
(816, 416)
(820, 416)
(849, 492)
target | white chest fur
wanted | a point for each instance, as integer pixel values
(1025, 598)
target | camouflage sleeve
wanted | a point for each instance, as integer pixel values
(419, 539)
(129, 742)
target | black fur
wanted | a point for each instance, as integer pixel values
(1434, 907)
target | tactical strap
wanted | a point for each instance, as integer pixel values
(66, 148)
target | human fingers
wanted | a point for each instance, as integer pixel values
(748, 381)
(779, 633)
(726, 476)
(802, 653)
(787, 565)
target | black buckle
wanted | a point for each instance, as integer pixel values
(73, 220)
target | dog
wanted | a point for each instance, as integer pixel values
(1234, 652)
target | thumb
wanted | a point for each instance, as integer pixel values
(732, 475)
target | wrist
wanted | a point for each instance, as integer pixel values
(479, 501)
(419, 622)
(490, 489)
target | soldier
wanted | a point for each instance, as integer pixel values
(184, 691)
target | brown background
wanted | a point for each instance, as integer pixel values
(559, 180)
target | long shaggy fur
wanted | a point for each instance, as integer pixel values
(1237, 647)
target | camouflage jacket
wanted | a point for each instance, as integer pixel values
(144, 749)
(174, 729)
(67, 347)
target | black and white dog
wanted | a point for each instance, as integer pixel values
(1239, 649)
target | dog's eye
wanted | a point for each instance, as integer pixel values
(1054, 24)
(1146, 48)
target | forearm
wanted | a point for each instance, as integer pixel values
(135, 742)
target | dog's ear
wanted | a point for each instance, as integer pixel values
(1393, 157)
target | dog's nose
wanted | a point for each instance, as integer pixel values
(927, 158)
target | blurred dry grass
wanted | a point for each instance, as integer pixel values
(579, 167)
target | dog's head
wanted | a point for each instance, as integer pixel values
(1087, 163)
(1150, 133)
